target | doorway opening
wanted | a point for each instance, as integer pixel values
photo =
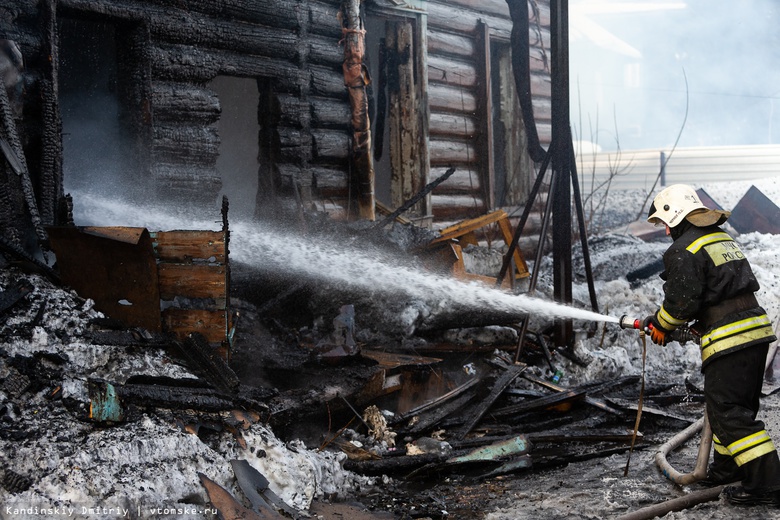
(238, 163)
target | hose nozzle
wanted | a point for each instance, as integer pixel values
(630, 323)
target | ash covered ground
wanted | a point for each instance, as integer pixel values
(150, 465)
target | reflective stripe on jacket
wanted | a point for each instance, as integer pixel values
(705, 267)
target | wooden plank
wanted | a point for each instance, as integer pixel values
(389, 360)
(184, 246)
(451, 72)
(453, 153)
(211, 323)
(470, 225)
(520, 265)
(191, 281)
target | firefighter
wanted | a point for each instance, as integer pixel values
(708, 281)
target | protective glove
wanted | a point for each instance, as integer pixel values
(658, 334)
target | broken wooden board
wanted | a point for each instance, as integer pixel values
(113, 266)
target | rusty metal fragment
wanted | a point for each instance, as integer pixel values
(229, 508)
(755, 212)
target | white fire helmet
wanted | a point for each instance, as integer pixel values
(673, 204)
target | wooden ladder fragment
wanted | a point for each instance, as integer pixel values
(464, 233)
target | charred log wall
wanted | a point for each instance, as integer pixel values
(291, 47)
(457, 91)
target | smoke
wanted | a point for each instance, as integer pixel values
(725, 50)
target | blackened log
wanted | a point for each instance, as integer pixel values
(167, 24)
(330, 182)
(186, 143)
(184, 102)
(540, 403)
(393, 465)
(435, 403)
(324, 51)
(274, 14)
(323, 18)
(50, 184)
(597, 403)
(188, 63)
(327, 82)
(500, 384)
(292, 111)
(200, 356)
(443, 15)
(330, 144)
(14, 153)
(293, 174)
(195, 183)
(329, 113)
(428, 420)
(174, 397)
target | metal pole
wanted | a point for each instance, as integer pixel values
(561, 160)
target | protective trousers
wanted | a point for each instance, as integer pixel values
(743, 448)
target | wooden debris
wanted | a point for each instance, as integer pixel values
(598, 403)
(498, 388)
(540, 403)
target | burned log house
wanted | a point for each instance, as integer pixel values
(186, 101)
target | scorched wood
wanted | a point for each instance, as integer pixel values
(182, 102)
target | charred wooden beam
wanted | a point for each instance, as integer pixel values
(541, 403)
(597, 403)
(501, 383)
(356, 80)
(393, 465)
(415, 199)
(200, 356)
(428, 420)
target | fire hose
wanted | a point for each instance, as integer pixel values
(682, 335)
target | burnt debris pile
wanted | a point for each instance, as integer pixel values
(301, 374)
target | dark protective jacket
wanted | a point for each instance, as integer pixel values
(708, 279)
